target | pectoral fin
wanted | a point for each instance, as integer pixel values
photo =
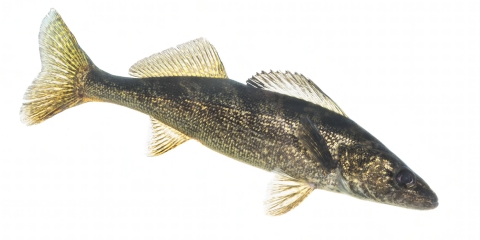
(310, 137)
(286, 193)
(164, 138)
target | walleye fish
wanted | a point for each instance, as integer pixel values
(278, 121)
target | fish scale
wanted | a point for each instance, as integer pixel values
(213, 121)
(281, 122)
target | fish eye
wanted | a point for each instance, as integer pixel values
(405, 178)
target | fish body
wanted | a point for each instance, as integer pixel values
(249, 124)
(246, 123)
(279, 122)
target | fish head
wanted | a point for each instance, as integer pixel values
(411, 191)
(380, 176)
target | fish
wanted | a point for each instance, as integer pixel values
(281, 122)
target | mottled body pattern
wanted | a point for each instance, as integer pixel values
(249, 124)
(246, 123)
(305, 138)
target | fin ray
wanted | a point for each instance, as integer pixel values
(59, 85)
(164, 138)
(294, 85)
(310, 138)
(286, 193)
(197, 58)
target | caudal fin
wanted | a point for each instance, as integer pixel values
(64, 69)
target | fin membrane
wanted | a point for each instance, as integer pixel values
(164, 138)
(286, 193)
(294, 85)
(197, 58)
(64, 68)
(309, 136)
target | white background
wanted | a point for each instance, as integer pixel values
(408, 71)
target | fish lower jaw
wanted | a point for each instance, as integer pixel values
(414, 202)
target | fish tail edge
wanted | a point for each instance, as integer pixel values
(65, 67)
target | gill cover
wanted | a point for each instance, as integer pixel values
(380, 176)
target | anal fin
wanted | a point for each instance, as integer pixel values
(164, 138)
(286, 193)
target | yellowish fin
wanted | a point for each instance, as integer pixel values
(286, 193)
(197, 58)
(294, 85)
(164, 138)
(64, 68)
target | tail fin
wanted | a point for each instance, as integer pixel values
(64, 69)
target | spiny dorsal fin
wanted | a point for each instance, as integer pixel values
(285, 193)
(197, 58)
(294, 85)
(164, 138)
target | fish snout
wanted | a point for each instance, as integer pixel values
(421, 199)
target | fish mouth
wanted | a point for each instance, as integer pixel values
(415, 200)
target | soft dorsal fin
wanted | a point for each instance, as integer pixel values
(197, 58)
(164, 138)
(294, 85)
(286, 193)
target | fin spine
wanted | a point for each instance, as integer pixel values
(294, 85)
